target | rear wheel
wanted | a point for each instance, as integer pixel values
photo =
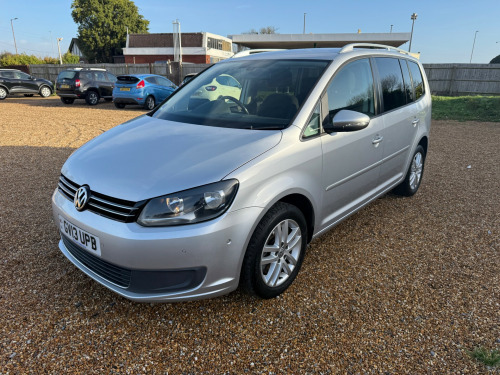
(275, 252)
(92, 97)
(3, 93)
(150, 102)
(67, 100)
(45, 91)
(119, 105)
(413, 177)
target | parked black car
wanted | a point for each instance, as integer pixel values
(90, 84)
(13, 81)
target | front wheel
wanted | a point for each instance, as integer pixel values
(150, 103)
(3, 93)
(92, 97)
(275, 252)
(45, 91)
(413, 177)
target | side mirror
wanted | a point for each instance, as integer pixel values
(346, 121)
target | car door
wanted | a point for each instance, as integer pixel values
(351, 160)
(165, 87)
(103, 84)
(399, 113)
(26, 83)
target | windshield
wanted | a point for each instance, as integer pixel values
(252, 94)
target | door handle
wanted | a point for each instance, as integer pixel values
(415, 122)
(377, 140)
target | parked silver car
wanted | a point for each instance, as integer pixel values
(202, 195)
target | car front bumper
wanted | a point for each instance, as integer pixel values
(166, 264)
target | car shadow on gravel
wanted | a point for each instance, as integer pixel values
(55, 101)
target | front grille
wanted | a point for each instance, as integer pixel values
(114, 274)
(112, 208)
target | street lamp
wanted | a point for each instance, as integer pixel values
(413, 17)
(59, 48)
(475, 34)
(304, 24)
(391, 28)
(12, 25)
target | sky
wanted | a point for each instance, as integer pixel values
(443, 33)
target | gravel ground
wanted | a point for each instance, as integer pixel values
(407, 285)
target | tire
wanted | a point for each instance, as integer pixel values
(150, 103)
(92, 97)
(267, 273)
(119, 105)
(68, 100)
(414, 175)
(28, 95)
(45, 91)
(3, 93)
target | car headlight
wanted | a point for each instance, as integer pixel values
(189, 206)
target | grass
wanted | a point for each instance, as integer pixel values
(490, 358)
(466, 108)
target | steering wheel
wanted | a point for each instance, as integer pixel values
(242, 106)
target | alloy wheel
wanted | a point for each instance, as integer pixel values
(281, 253)
(416, 170)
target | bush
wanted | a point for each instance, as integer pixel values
(496, 60)
(22, 59)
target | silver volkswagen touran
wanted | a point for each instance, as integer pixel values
(226, 182)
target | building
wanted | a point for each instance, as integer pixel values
(74, 49)
(198, 48)
(292, 41)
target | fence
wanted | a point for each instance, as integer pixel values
(463, 79)
(173, 71)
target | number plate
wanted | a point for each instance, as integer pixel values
(125, 89)
(64, 86)
(80, 237)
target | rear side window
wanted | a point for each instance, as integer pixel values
(164, 82)
(391, 82)
(111, 77)
(407, 79)
(151, 80)
(352, 89)
(418, 81)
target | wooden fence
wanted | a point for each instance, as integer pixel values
(463, 79)
(173, 71)
(444, 79)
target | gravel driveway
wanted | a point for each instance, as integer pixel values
(406, 285)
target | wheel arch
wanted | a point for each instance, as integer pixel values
(305, 206)
(6, 89)
(424, 142)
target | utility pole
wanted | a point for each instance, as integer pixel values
(12, 26)
(475, 34)
(391, 28)
(59, 48)
(304, 24)
(413, 17)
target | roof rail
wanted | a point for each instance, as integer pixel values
(350, 47)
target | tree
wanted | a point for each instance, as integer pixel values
(263, 30)
(102, 26)
(69, 58)
(496, 60)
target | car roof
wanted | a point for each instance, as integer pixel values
(140, 75)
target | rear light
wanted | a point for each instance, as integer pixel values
(77, 83)
(140, 85)
(211, 88)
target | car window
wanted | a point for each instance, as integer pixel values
(257, 94)
(88, 76)
(227, 81)
(352, 89)
(151, 80)
(313, 127)
(111, 77)
(66, 74)
(418, 81)
(407, 81)
(391, 81)
(7, 74)
(164, 82)
(100, 76)
(21, 75)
